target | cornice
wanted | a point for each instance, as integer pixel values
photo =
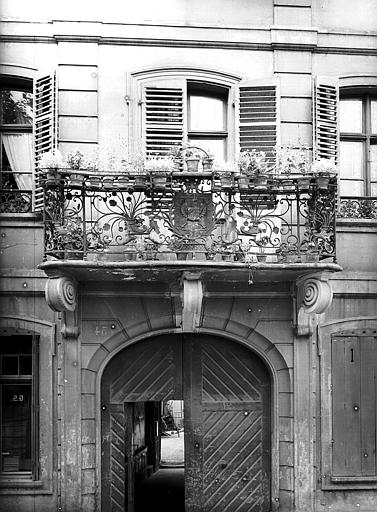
(182, 43)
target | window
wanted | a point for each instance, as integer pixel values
(358, 144)
(16, 158)
(213, 112)
(354, 376)
(18, 405)
(207, 118)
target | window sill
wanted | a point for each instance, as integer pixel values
(21, 485)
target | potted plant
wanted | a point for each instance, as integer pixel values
(262, 243)
(207, 160)
(159, 168)
(192, 159)
(150, 251)
(253, 166)
(311, 253)
(226, 172)
(324, 169)
(52, 162)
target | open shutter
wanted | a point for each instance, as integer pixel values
(164, 116)
(258, 116)
(325, 118)
(45, 128)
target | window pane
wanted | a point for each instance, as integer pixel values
(25, 365)
(16, 427)
(16, 107)
(351, 116)
(206, 113)
(214, 146)
(373, 169)
(351, 188)
(373, 112)
(351, 159)
(9, 365)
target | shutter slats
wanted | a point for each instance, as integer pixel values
(45, 128)
(325, 118)
(258, 116)
(163, 119)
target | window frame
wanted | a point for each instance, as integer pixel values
(33, 380)
(208, 90)
(366, 137)
(23, 85)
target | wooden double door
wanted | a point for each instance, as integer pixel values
(226, 392)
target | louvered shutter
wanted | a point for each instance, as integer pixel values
(164, 116)
(45, 128)
(325, 118)
(258, 116)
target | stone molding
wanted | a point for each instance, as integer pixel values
(61, 293)
(192, 301)
(314, 296)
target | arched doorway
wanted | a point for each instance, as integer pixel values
(226, 390)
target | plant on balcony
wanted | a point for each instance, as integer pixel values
(310, 252)
(226, 172)
(52, 162)
(70, 238)
(159, 167)
(262, 244)
(324, 169)
(254, 169)
(207, 160)
(192, 159)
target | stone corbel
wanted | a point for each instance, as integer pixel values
(61, 296)
(314, 296)
(192, 301)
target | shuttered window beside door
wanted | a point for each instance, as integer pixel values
(354, 392)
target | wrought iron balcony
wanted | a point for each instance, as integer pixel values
(193, 216)
(357, 208)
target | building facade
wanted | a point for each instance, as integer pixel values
(252, 301)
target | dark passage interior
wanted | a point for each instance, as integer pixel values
(164, 490)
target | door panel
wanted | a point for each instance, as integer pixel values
(226, 392)
(228, 444)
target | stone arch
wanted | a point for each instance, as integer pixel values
(265, 350)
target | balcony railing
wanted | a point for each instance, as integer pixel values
(190, 215)
(357, 208)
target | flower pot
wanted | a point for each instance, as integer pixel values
(192, 164)
(323, 182)
(207, 164)
(262, 258)
(76, 180)
(95, 181)
(122, 182)
(53, 177)
(261, 181)
(159, 182)
(303, 183)
(140, 181)
(243, 182)
(226, 181)
(182, 255)
(291, 258)
(108, 182)
(310, 257)
(227, 256)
